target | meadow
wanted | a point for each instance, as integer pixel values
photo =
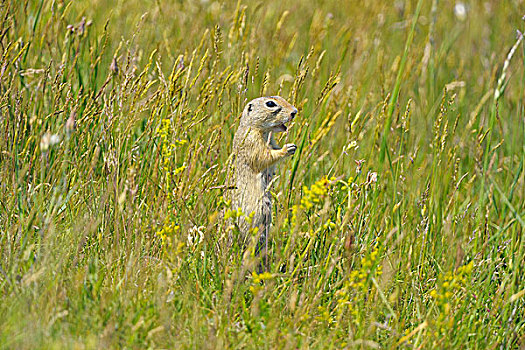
(398, 223)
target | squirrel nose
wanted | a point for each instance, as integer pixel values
(294, 112)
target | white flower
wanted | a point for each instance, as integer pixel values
(48, 140)
(460, 10)
(195, 235)
(371, 177)
(54, 139)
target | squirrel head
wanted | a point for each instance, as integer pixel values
(268, 114)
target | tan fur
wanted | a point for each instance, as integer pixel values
(256, 153)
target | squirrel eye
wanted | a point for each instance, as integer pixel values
(271, 104)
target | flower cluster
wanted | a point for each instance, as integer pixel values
(233, 213)
(324, 315)
(369, 267)
(168, 230)
(446, 289)
(167, 148)
(447, 297)
(315, 194)
(258, 279)
(358, 283)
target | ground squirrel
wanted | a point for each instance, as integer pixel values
(256, 153)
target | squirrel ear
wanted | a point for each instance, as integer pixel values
(249, 108)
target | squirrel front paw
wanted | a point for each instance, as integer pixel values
(290, 148)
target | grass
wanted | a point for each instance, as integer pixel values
(398, 223)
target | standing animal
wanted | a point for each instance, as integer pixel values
(255, 154)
